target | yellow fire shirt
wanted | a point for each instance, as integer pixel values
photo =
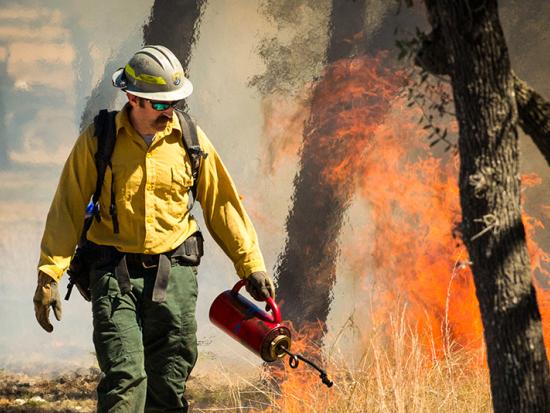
(151, 192)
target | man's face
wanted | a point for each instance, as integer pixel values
(148, 117)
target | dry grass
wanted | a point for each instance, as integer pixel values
(396, 373)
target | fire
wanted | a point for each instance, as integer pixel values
(540, 261)
(300, 389)
(282, 128)
(412, 251)
(415, 254)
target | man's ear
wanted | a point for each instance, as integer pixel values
(133, 100)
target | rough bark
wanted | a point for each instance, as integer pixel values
(307, 267)
(489, 182)
(175, 24)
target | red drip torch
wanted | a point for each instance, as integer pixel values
(260, 332)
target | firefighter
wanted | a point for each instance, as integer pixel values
(143, 287)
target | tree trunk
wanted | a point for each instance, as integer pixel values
(307, 267)
(175, 25)
(483, 88)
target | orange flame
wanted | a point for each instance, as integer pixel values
(415, 255)
(282, 129)
(411, 250)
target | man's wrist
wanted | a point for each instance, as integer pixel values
(45, 279)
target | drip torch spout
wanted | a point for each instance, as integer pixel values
(294, 360)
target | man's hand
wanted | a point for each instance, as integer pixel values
(260, 286)
(46, 296)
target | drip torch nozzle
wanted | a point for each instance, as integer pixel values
(294, 360)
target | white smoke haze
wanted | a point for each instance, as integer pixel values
(54, 58)
(24, 14)
(227, 109)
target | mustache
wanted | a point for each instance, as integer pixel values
(163, 118)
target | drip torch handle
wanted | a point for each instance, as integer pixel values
(275, 309)
(270, 301)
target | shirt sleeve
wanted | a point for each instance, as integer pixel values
(224, 213)
(67, 211)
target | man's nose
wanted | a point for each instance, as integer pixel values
(168, 112)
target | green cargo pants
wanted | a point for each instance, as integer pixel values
(145, 349)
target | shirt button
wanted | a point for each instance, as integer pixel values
(150, 220)
(149, 154)
(147, 251)
(149, 187)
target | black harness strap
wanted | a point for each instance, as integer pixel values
(112, 208)
(193, 148)
(105, 131)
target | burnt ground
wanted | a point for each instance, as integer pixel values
(67, 393)
(74, 392)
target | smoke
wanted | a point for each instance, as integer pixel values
(45, 70)
(526, 33)
(4, 93)
(104, 95)
(101, 53)
(110, 32)
(294, 55)
(102, 36)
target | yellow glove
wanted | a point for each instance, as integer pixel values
(260, 286)
(46, 296)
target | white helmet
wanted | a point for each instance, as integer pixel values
(155, 73)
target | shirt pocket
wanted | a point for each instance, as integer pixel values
(182, 181)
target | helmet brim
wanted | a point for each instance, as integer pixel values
(184, 91)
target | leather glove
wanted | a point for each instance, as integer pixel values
(260, 286)
(46, 296)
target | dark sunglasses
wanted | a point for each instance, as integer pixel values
(160, 106)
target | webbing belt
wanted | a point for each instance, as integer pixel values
(188, 253)
(161, 280)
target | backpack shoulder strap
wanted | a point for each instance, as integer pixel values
(105, 132)
(192, 146)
